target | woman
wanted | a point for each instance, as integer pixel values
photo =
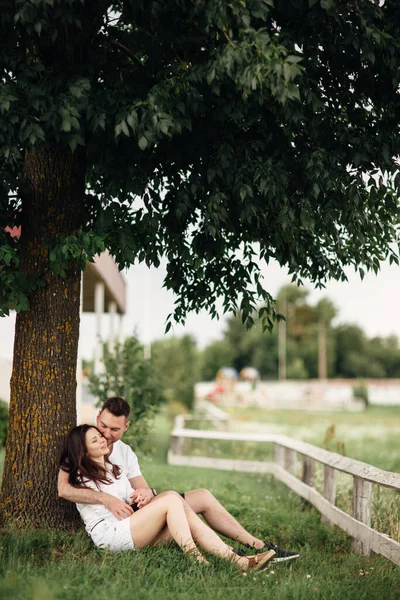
(167, 517)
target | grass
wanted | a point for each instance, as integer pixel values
(371, 436)
(47, 565)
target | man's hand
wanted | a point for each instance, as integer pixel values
(142, 496)
(118, 507)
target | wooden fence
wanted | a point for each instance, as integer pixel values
(285, 466)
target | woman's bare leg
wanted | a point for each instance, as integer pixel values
(166, 510)
(207, 539)
(168, 517)
(219, 519)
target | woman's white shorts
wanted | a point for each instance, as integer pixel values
(114, 536)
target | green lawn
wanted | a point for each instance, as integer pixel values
(56, 566)
(372, 436)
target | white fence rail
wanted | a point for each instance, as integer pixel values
(287, 453)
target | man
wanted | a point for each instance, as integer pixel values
(112, 421)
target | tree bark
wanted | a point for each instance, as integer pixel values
(43, 382)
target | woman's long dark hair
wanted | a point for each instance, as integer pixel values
(76, 462)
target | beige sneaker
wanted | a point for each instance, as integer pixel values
(260, 561)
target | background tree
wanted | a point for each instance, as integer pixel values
(176, 361)
(347, 350)
(214, 356)
(125, 372)
(187, 129)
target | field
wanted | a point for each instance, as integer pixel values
(54, 565)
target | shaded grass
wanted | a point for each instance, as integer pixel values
(50, 565)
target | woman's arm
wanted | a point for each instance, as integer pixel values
(85, 496)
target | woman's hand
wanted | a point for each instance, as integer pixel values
(142, 496)
(119, 508)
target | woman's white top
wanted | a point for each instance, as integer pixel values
(92, 514)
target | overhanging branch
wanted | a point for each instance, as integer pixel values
(126, 51)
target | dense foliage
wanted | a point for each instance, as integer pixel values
(176, 361)
(206, 127)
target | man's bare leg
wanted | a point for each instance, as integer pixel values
(204, 503)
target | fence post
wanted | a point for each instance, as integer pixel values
(280, 455)
(307, 475)
(362, 511)
(291, 461)
(330, 475)
(308, 470)
(176, 445)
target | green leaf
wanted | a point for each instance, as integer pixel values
(124, 128)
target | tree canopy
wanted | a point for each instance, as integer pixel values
(207, 131)
(208, 127)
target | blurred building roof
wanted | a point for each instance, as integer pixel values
(102, 270)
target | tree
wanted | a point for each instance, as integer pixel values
(214, 356)
(193, 130)
(125, 372)
(176, 360)
(353, 358)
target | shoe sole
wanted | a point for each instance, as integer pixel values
(284, 558)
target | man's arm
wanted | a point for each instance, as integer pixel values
(142, 493)
(118, 507)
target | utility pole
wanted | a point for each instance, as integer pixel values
(282, 333)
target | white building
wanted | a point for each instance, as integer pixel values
(103, 293)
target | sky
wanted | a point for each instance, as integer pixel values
(373, 304)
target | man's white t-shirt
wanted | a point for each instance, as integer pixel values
(123, 456)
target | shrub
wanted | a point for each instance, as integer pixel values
(128, 374)
(360, 390)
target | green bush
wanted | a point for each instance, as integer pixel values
(360, 390)
(128, 374)
(3, 423)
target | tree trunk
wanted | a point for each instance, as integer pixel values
(43, 382)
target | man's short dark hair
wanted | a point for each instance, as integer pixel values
(117, 407)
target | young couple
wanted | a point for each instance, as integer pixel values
(101, 475)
